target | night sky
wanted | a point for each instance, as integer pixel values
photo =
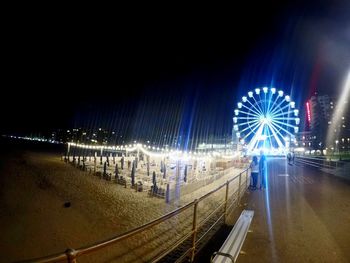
(148, 71)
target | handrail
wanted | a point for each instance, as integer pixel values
(72, 254)
(134, 231)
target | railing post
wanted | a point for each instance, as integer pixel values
(194, 229)
(239, 186)
(71, 255)
(246, 180)
(226, 198)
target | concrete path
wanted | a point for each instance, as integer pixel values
(303, 216)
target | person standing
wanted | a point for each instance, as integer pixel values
(255, 171)
(289, 157)
(262, 170)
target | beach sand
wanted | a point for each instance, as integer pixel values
(34, 221)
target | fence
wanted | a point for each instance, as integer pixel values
(319, 162)
(191, 241)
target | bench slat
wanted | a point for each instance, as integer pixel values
(235, 239)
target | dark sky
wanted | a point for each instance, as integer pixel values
(133, 67)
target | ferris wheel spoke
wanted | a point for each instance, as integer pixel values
(246, 118)
(259, 112)
(261, 104)
(273, 105)
(286, 118)
(284, 123)
(251, 109)
(247, 122)
(277, 133)
(249, 127)
(269, 136)
(279, 143)
(269, 105)
(276, 107)
(248, 113)
(255, 138)
(252, 130)
(283, 129)
(258, 106)
(281, 109)
(282, 114)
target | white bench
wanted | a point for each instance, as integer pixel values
(229, 251)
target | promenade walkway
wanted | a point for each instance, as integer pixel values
(303, 216)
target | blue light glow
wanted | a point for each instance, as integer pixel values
(266, 120)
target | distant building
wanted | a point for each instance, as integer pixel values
(320, 111)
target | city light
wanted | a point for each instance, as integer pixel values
(308, 112)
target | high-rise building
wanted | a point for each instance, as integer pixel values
(320, 115)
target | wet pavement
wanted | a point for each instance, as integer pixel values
(303, 216)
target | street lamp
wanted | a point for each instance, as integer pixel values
(337, 147)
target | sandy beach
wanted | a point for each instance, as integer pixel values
(34, 221)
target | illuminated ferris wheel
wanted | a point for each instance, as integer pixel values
(266, 119)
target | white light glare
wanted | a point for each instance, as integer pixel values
(296, 112)
(262, 137)
(239, 105)
(257, 91)
(287, 98)
(297, 121)
(292, 104)
(236, 112)
(244, 98)
(235, 127)
(250, 94)
(280, 93)
(273, 90)
(265, 89)
(238, 134)
(235, 119)
(296, 129)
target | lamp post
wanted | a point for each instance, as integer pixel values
(337, 148)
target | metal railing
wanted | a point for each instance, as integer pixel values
(319, 162)
(71, 255)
